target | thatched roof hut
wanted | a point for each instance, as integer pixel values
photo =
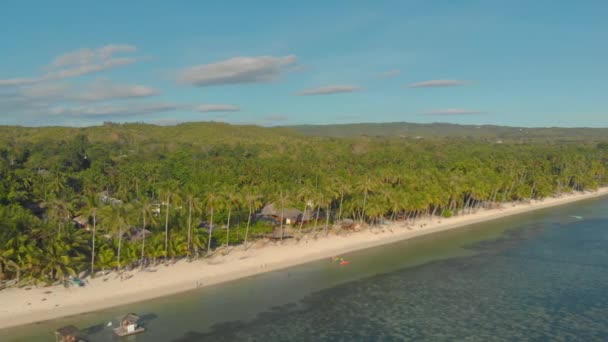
(270, 210)
(68, 334)
(136, 234)
(81, 221)
(129, 319)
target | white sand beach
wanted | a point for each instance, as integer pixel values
(22, 306)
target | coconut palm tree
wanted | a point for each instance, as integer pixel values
(147, 214)
(194, 206)
(58, 210)
(212, 201)
(116, 219)
(172, 197)
(366, 186)
(231, 200)
(253, 203)
(90, 209)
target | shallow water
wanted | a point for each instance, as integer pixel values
(538, 276)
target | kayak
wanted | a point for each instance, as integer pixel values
(344, 262)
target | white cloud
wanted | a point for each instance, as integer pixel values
(114, 110)
(236, 70)
(327, 90)
(438, 83)
(19, 81)
(100, 90)
(206, 108)
(454, 111)
(78, 63)
(390, 73)
(105, 90)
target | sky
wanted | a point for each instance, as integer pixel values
(503, 62)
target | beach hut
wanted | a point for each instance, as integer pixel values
(81, 222)
(290, 215)
(68, 334)
(129, 325)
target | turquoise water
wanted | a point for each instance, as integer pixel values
(539, 276)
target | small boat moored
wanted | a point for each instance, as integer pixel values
(129, 325)
(69, 334)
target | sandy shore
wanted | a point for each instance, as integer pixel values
(21, 306)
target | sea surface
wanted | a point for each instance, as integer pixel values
(533, 277)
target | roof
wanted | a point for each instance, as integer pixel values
(68, 330)
(81, 220)
(271, 210)
(136, 234)
(130, 318)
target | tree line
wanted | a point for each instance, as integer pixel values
(161, 200)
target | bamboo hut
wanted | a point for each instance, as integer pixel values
(290, 215)
(129, 325)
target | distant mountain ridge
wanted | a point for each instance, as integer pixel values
(447, 130)
(216, 132)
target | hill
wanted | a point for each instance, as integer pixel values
(446, 130)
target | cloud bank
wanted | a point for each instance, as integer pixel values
(327, 90)
(208, 108)
(236, 70)
(78, 63)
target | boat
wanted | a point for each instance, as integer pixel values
(69, 334)
(129, 325)
(344, 262)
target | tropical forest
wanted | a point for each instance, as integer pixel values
(95, 199)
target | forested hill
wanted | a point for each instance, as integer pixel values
(135, 133)
(442, 130)
(215, 133)
(116, 195)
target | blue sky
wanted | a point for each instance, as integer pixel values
(509, 62)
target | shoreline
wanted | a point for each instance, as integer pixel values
(21, 306)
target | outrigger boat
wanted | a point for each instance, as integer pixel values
(129, 325)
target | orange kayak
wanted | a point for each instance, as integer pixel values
(344, 262)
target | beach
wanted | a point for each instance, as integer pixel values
(23, 306)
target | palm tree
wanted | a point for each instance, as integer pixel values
(194, 206)
(171, 196)
(212, 200)
(90, 210)
(57, 261)
(115, 217)
(253, 203)
(232, 200)
(305, 195)
(146, 212)
(283, 198)
(365, 187)
(58, 210)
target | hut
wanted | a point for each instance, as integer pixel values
(81, 222)
(68, 334)
(135, 234)
(290, 215)
(129, 325)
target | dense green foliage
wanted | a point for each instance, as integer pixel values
(167, 180)
(444, 130)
